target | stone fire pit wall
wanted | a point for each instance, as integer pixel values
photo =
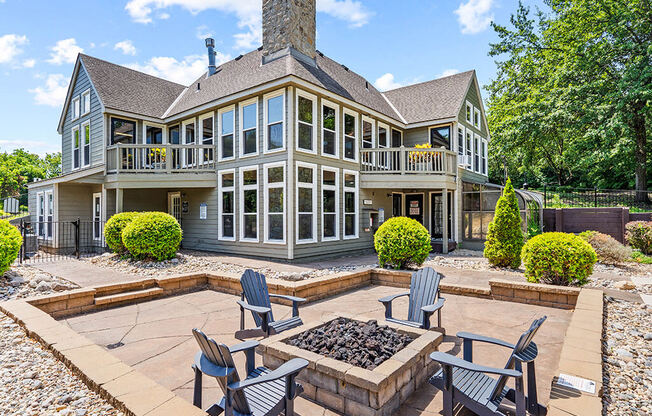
(353, 390)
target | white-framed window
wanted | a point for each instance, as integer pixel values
(153, 133)
(207, 135)
(86, 143)
(75, 108)
(226, 117)
(469, 148)
(275, 183)
(469, 112)
(306, 178)
(274, 121)
(476, 118)
(460, 140)
(45, 214)
(40, 214)
(76, 147)
(86, 102)
(226, 204)
(476, 153)
(383, 143)
(249, 203)
(368, 139)
(249, 127)
(484, 163)
(188, 137)
(397, 138)
(351, 204)
(330, 204)
(350, 135)
(97, 216)
(330, 126)
(306, 124)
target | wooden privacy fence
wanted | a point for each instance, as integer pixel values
(605, 220)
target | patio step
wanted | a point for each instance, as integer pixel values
(128, 296)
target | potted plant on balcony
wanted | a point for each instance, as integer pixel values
(421, 160)
(156, 158)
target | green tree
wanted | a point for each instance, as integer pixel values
(20, 167)
(571, 100)
(505, 237)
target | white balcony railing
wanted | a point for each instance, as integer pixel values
(408, 160)
(160, 158)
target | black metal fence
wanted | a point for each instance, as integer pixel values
(563, 197)
(56, 240)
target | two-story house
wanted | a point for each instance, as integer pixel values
(280, 153)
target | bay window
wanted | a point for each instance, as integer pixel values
(226, 205)
(306, 125)
(350, 135)
(330, 196)
(249, 127)
(306, 202)
(76, 143)
(249, 204)
(274, 120)
(329, 128)
(206, 124)
(227, 128)
(274, 202)
(351, 204)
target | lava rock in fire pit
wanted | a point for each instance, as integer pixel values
(358, 343)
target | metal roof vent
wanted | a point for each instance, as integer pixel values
(210, 44)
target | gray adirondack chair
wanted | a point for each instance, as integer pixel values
(464, 382)
(256, 299)
(263, 392)
(425, 300)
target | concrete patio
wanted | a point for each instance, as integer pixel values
(157, 340)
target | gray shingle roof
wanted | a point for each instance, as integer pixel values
(125, 89)
(432, 100)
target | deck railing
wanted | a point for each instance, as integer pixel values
(408, 160)
(160, 158)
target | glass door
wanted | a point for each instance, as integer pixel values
(397, 205)
(437, 215)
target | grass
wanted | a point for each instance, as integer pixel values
(639, 257)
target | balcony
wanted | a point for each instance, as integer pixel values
(407, 167)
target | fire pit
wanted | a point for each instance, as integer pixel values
(356, 367)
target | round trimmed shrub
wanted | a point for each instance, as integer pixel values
(505, 236)
(639, 235)
(113, 230)
(558, 259)
(608, 249)
(402, 242)
(152, 235)
(10, 242)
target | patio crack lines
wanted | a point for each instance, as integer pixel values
(161, 352)
(133, 326)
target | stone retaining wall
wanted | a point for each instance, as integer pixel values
(563, 297)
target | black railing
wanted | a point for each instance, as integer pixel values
(564, 197)
(56, 240)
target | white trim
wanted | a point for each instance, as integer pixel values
(176, 100)
(468, 148)
(184, 152)
(313, 98)
(356, 145)
(373, 138)
(431, 122)
(459, 127)
(267, 186)
(336, 107)
(394, 108)
(220, 208)
(40, 215)
(163, 127)
(476, 111)
(241, 106)
(356, 192)
(264, 130)
(476, 152)
(76, 108)
(200, 136)
(72, 147)
(82, 143)
(94, 218)
(312, 187)
(87, 92)
(450, 198)
(244, 188)
(335, 188)
(484, 156)
(468, 115)
(220, 134)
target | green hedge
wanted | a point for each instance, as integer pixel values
(402, 242)
(558, 258)
(10, 242)
(113, 230)
(505, 237)
(152, 235)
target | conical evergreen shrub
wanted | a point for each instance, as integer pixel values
(505, 237)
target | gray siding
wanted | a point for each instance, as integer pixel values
(76, 201)
(474, 99)
(31, 200)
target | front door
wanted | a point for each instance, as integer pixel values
(437, 215)
(174, 205)
(397, 205)
(414, 207)
(97, 216)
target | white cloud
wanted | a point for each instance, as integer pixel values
(164, 16)
(448, 72)
(352, 11)
(64, 52)
(53, 93)
(10, 47)
(183, 72)
(475, 15)
(387, 82)
(203, 32)
(29, 63)
(126, 46)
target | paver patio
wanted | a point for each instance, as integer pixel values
(158, 341)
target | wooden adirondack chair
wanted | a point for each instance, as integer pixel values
(257, 296)
(467, 383)
(263, 392)
(425, 300)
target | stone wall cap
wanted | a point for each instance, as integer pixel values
(539, 287)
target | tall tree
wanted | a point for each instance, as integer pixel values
(20, 167)
(571, 101)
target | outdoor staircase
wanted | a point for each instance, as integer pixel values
(127, 292)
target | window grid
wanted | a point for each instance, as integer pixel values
(249, 212)
(351, 204)
(275, 213)
(226, 205)
(306, 180)
(330, 215)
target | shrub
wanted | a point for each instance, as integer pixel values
(113, 230)
(152, 235)
(505, 237)
(639, 257)
(608, 249)
(559, 259)
(639, 235)
(10, 242)
(402, 242)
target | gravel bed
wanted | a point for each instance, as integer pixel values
(26, 281)
(34, 382)
(627, 358)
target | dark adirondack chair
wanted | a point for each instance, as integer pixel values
(257, 297)
(468, 384)
(425, 300)
(263, 392)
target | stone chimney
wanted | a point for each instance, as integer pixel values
(289, 26)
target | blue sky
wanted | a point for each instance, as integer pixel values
(391, 43)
